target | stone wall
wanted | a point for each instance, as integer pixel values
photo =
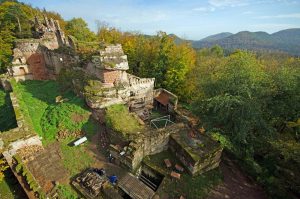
(37, 66)
(51, 42)
(23, 129)
(57, 61)
(29, 62)
(5, 84)
(200, 161)
(133, 91)
(110, 77)
(27, 46)
(19, 144)
(112, 57)
(147, 143)
(38, 62)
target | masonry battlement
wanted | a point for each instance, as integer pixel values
(134, 80)
(112, 50)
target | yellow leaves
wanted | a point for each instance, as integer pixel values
(109, 35)
(3, 167)
(293, 124)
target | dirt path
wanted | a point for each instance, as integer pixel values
(236, 184)
(97, 149)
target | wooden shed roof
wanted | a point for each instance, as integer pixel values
(163, 98)
(135, 188)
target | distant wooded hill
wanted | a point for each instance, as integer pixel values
(287, 41)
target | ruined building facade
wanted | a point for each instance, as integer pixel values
(43, 57)
(36, 58)
(117, 86)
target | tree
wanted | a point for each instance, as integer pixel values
(14, 23)
(6, 37)
(233, 99)
(284, 105)
(108, 34)
(182, 61)
(78, 28)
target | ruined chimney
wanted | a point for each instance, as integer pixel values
(56, 22)
(51, 22)
(46, 21)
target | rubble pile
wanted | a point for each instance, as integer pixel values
(91, 182)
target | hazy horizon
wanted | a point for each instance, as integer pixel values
(187, 19)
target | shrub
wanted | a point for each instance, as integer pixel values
(70, 116)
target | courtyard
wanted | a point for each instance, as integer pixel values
(59, 124)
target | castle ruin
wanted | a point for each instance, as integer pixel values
(36, 58)
(103, 81)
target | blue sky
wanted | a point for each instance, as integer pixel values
(191, 19)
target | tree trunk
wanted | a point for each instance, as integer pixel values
(19, 24)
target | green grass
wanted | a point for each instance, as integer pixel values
(48, 117)
(188, 186)
(75, 158)
(35, 97)
(10, 188)
(7, 115)
(37, 103)
(66, 192)
(192, 187)
(119, 119)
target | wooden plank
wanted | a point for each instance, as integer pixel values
(175, 175)
(135, 188)
(168, 163)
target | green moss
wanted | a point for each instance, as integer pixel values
(93, 88)
(65, 50)
(66, 78)
(192, 187)
(121, 120)
(109, 64)
(197, 151)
